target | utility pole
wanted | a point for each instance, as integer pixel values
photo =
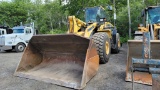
(129, 19)
(114, 13)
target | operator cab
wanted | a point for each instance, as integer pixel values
(152, 15)
(95, 14)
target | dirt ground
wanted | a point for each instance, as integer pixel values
(111, 76)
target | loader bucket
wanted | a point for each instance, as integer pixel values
(135, 51)
(67, 60)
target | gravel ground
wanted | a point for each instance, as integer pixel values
(111, 76)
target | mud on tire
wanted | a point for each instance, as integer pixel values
(103, 46)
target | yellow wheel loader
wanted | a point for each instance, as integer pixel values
(151, 24)
(71, 59)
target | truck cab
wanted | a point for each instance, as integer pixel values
(18, 40)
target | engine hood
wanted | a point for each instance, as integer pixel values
(11, 35)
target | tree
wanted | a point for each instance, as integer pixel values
(51, 16)
(12, 13)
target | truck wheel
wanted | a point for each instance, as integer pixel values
(117, 45)
(103, 45)
(20, 47)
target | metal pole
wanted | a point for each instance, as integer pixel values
(129, 19)
(132, 76)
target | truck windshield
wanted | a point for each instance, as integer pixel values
(18, 30)
(154, 15)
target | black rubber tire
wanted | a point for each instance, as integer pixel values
(100, 40)
(20, 47)
(117, 47)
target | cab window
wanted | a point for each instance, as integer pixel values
(2, 32)
(28, 30)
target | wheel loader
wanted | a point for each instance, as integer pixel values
(71, 59)
(151, 24)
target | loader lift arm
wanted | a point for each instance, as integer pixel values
(79, 27)
(75, 24)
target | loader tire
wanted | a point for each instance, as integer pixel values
(117, 45)
(103, 46)
(20, 47)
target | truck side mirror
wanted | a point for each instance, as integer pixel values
(36, 32)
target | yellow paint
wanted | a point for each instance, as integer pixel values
(89, 29)
(156, 27)
(106, 27)
(147, 28)
(75, 26)
(142, 29)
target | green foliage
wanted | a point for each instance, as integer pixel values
(77, 7)
(124, 39)
(57, 31)
(13, 13)
(51, 16)
(122, 18)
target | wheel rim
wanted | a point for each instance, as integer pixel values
(20, 47)
(119, 44)
(107, 48)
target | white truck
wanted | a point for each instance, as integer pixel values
(18, 40)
